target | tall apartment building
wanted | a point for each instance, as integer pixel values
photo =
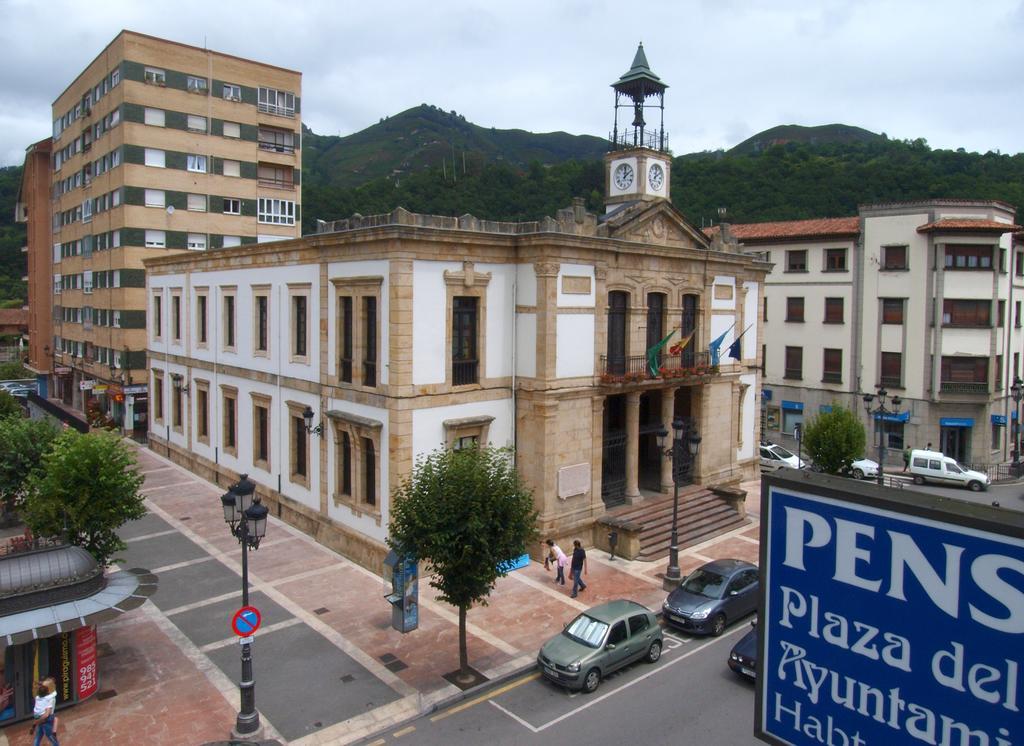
(921, 298)
(158, 147)
(32, 209)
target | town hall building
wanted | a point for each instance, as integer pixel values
(324, 366)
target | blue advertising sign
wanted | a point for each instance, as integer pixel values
(888, 621)
(956, 421)
(999, 419)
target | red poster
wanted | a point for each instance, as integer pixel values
(85, 661)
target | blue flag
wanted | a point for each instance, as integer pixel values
(716, 344)
(734, 348)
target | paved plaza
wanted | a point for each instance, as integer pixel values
(329, 669)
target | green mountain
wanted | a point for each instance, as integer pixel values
(424, 137)
(823, 134)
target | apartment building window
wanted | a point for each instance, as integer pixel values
(273, 101)
(964, 374)
(832, 366)
(369, 472)
(1018, 269)
(835, 260)
(967, 313)
(196, 202)
(261, 431)
(1001, 313)
(196, 242)
(997, 436)
(274, 176)
(156, 239)
(344, 457)
(261, 320)
(618, 305)
(158, 316)
(202, 307)
(229, 405)
(231, 168)
(369, 340)
(232, 92)
(968, 257)
(795, 309)
(794, 363)
(299, 296)
(465, 362)
(298, 472)
(276, 211)
(892, 310)
(195, 123)
(1002, 261)
(833, 310)
(345, 326)
(154, 117)
(155, 158)
(177, 394)
(276, 140)
(230, 241)
(656, 304)
(154, 76)
(764, 308)
(231, 129)
(176, 315)
(1016, 364)
(232, 206)
(796, 260)
(891, 369)
(228, 319)
(155, 198)
(357, 474)
(1016, 314)
(894, 257)
(202, 389)
(196, 85)
(196, 163)
(158, 396)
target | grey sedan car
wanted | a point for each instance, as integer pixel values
(712, 596)
(601, 640)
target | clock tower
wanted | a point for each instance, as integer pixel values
(637, 166)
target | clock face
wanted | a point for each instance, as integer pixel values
(656, 177)
(623, 176)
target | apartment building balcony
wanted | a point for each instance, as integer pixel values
(694, 366)
(964, 387)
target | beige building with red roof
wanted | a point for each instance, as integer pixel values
(921, 298)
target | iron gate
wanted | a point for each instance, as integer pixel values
(613, 469)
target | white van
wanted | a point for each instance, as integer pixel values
(932, 466)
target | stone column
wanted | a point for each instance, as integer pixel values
(632, 446)
(668, 401)
(597, 451)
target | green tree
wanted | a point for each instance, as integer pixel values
(87, 488)
(464, 513)
(23, 443)
(10, 406)
(14, 372)
(834, 439)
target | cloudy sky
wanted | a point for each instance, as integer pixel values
(948, 71)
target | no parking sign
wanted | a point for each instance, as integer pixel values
(246, 621)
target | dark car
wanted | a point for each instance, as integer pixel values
(743, 657)
(712, 596)
(601, 640)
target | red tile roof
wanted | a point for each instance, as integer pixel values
(967, 225)
(793, 229)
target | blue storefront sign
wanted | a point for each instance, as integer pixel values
(796, 406)
(956, 421)
(766, 394)
(999, 419)
(888, 621)
(898, 417)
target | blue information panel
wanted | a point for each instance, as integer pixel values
(888, 622)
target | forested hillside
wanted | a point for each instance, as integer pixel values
(13, 264)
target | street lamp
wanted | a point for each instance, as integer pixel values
(307, 418)
(247, 517)
(1017, 392)
(881, 411)
(693, 444)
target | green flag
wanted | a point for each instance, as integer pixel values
(652, 354)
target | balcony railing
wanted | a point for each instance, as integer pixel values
(276, 183)
(630, 138)
(963, 387)
(281, 111)
(464, 372)
(626, 368)
(276, 147)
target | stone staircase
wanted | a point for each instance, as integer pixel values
(702, 515)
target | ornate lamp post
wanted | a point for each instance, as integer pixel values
(247, 517)
(1017, 392)
(881, 411)
(672, 575)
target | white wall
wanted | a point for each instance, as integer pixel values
(574, 355)
(574, 300)
(499, 336)
(428, 424)
(526, 345)
(751, 311)
(748, 415)
(429, 314)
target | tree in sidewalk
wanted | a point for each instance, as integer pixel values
(87, 488)
(23, 443)
(465, 513)
(834, 439)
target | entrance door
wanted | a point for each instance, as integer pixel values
(613, 452)
(649, 457)
(955, 442)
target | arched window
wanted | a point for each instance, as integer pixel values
(618, 309)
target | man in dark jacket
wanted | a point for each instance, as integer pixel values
(577, 567)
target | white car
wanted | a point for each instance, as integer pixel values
(775, 457)
(863, 467)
